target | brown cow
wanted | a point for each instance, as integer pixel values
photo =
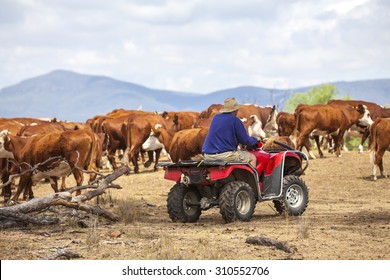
(330, 119)
(376, 111)
(25, 121)
(137, 131)
(44, 128)
(13, 125)
(113, 128)
(187, 143)
(203, 122)
(211, 111)
(286, 125)
(181, 120)
(379, 142)
(315, 134)
(41, 129)
(263, 113)
(207, 115)
(61, 153)
(183, 144)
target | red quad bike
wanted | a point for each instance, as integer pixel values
(235, 187)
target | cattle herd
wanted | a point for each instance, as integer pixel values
(36, 149)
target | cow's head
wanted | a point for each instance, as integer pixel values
(365, 119)
(156, 130)
(271, 124)
(165, 115)
(255, 128)
(254, 119)
(4, 138)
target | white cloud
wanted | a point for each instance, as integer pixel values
(90, 59)
(130, 48)
(346, 6)
(171, 11)
(197, 45)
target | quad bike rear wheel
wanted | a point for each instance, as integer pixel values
(182, 204)
(237, 202)
(294, 198)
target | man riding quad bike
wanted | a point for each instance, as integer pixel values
(236, 187)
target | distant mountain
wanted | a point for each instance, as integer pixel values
(71, 96)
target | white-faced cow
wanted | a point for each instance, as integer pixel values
(329, 119)
(255, 128)
(376, 111)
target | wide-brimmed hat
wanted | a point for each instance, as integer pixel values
(230, 105)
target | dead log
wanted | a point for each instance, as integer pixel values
(87, 208)
(62, 253)
(269, 242)
(19, 212)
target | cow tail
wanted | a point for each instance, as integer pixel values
(97, 152)
(126, 131)
(294, 135)
(372, 140)
(88, 162)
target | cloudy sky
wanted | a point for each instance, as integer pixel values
(197, 45)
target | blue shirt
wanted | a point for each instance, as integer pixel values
(225, 133)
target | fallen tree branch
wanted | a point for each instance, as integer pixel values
(19, 212)
(103, 185)
(80, 188)
(269, 242)
(62, 253)
(87, 208)
(46, 220)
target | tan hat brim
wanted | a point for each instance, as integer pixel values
(230, 109)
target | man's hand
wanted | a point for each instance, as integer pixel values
(253, 147)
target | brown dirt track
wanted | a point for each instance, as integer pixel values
(348, 217)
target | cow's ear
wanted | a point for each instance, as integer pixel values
(176, 119)
(360, 108)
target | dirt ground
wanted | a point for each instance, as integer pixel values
(348, 217)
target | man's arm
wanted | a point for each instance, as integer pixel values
(242, 135)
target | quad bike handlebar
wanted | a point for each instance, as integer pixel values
(302, 155)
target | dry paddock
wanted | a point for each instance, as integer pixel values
(348, 217)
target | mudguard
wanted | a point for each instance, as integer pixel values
(217, 173)
(271, 185)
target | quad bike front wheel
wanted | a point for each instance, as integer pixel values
(183, 204)
(237, 202)
(295, 196)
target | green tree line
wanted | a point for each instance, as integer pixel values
(316, 95)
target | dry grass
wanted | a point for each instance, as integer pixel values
(130, 211)
(93, 237)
